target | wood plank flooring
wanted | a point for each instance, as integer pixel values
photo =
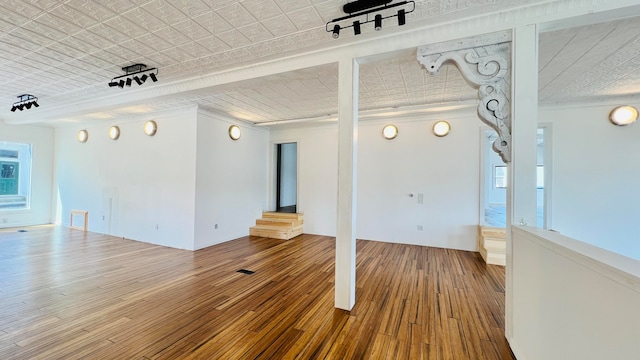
(67, 294)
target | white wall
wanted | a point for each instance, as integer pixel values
(572, 300)
(317, 174)
(596, 173)
(150, 181)
(445, 170)
(231, 180)
(42, 141)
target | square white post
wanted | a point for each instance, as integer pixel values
(521, 189)
(345, 276)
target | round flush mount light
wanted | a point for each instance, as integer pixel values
(150, 127)
(83, 136)
(623, 115)
(441, 128)
(114, 132)
(234, 132)
(390, 132)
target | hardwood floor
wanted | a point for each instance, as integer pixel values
(67, 294)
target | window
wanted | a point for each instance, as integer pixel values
(500, 177)
(15, 175)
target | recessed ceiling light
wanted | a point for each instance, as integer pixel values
(623, 115)
(234, 132)
(150, 127)
(114, 132)
(83, 136)
(390, 132)
(441, 128)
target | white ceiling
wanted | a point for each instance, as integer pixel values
(64, 52)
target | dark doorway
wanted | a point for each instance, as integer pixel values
(287, 177)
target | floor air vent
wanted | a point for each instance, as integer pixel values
(244, 271)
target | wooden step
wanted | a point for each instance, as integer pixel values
(277, 215)
(279, 221)
(275, 232)
(492, 244)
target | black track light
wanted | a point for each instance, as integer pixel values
(369, 11)
(378, 23)
(401, 17)
(26, 101)
(136, 72)
(356, 28)
(336, 31)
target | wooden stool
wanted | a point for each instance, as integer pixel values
(85, 214)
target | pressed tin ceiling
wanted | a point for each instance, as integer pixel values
(67, 51)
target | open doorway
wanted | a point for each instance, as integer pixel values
(286, 177)
(495, 181)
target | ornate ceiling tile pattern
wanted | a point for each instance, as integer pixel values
(68, 51)
(590, 61)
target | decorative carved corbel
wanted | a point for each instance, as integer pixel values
(484, 62)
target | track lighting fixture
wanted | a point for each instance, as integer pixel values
(366, 11)
(132, 73)
(26, 101)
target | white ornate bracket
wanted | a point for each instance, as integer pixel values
(484, 61)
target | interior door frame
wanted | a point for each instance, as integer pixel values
(273, 169)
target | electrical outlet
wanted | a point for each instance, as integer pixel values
(420, 198)
(419, 227)
(215, 226)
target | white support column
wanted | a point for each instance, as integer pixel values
(345, 281)
(521, 189)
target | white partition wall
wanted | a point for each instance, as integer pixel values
(574, 300)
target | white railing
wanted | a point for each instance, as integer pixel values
(572, 300)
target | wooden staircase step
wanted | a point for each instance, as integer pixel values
(493, 245)
(277, 225)
(279, 221)
(275, 232)
(277, 215)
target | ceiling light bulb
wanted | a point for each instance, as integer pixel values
(143, 78)
(137, 79)
(441, 128)
(356, 28)
(390, 132)
(336, 31)
(121, 83)
(27, 105)
(153, 77)
(113, 83)
(623, 115)
(128, 83)
(83, 136)
(234, 132)
(13, 108)
(114, 132)
(36, 104)
(401, 17)
(378, 22)
(21, 107)
(150, 127)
